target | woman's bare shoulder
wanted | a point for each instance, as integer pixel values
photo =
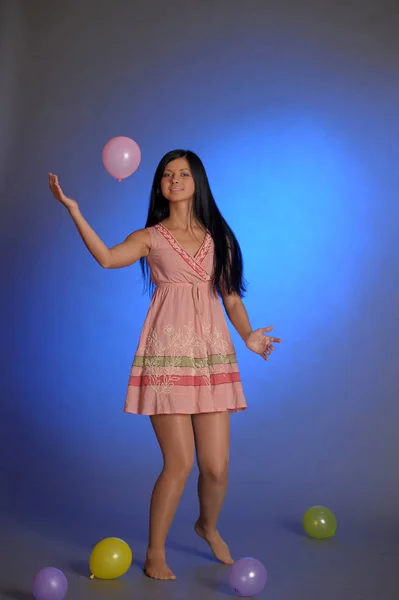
(142, 236)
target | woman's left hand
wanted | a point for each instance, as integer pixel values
(260, 343)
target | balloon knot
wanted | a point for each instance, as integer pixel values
(92, 576)
(119, 180)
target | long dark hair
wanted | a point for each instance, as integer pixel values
(228, 263)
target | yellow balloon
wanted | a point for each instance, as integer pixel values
(319, 522)
(110, 559)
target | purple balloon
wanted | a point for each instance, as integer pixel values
(247, 577)
(49, 584)
(121, 157)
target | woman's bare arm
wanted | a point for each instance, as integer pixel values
(237, 314)
(135, 246)
(255, 340)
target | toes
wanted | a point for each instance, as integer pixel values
(163, 576)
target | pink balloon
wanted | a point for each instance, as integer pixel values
(121, 157)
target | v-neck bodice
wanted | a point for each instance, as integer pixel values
(171, 263)
(169, 235)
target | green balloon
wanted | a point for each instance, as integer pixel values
(319, 522)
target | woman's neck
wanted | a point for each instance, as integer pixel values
(181, 216)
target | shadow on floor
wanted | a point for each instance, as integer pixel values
(293, 525)
(191, 550)
(214, 578)
(14, 595)
(215, 585)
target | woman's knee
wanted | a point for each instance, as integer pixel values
(179, 468)
(216, 472)
(176, 439)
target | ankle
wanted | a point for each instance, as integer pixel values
(156, 551)
(206, 528)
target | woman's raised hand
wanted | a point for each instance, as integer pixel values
(59, 194)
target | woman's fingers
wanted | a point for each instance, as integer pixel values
(265, 330)
(55, 186)
(273, 340)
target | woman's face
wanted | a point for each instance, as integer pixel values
(177, 183)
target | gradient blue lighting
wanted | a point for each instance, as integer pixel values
(294, 193)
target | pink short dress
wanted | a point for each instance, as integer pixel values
(185, 362)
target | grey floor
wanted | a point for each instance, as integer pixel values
(351, 567)
(57, 522)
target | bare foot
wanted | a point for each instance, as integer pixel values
(218, 546)
(155, 566)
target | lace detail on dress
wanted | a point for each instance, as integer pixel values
(168, 363)
(203, 251)
(190, 260)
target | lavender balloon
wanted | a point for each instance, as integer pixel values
(247, 577)
(50, 584)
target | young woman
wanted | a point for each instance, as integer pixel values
(184, 373)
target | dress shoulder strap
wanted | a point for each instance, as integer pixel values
(156, 238)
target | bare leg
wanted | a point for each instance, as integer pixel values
(176, 440)
(212, 440)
